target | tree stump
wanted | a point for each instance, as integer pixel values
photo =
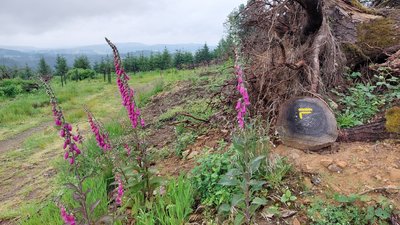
(306, 123)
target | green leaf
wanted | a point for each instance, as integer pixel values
(236, 199)
(382, 214)
(239, 219)
(228, 181)
(233, 172)
(224, 208)
(257, 183)
(274, 210)
(255, 163)
(259, 201)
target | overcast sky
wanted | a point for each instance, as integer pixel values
(65, 23)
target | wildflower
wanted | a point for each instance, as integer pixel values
(101, 135)
(120, 191)
(128, 150)
(70, 146)
(243, 102)
(127, 93)
(69, 219)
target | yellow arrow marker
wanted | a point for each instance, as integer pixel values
(304, 111)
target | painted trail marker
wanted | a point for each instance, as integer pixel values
(306, 123)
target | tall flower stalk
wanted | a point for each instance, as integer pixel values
(143, 175)
(102, 138)
(243, 102)
(70, 140)
(127, 93)
(120, 190)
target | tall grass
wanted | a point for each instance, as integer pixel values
(49, 214)
(176, 205)
(173, 207)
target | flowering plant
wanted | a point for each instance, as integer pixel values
(243, 102)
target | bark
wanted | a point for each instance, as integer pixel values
(313, 9)
(386, 3)
(368, 132)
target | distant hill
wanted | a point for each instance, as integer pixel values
(25, 55)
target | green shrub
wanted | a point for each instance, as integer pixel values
(251, 149)
(14, 87)
(363, 101)
(206, 176)
(359, 106)
(80, 74)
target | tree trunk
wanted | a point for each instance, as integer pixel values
(109, 76)
(368, 132)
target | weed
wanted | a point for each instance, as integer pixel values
(183, 140)
(364, 100)
(251, 149)
(93, 195)
(276, 169)
(206, 176)
(360, 105)
(349, 210)
(287, 197)
(175, 206)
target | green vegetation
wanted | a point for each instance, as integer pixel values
(80, 74)
(171, 206)
(43, 68)
(206, 176)
(235, 182)
(14, 87)
(349, 210)
(49, 214)
(363, 101)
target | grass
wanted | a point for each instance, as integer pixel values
(49, 214)
(174, 207)
(42, 151)
(28, 110)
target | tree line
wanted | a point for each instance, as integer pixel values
(83, 69)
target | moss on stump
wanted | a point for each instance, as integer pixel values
(393, 120)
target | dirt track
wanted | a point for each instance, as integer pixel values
(16, 140)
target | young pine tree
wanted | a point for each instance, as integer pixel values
(43, 68)
(61, 69)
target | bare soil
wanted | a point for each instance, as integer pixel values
(354, 168)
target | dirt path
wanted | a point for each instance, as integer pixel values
(16, 140)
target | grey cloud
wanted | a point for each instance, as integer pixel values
(78, 22)
(38, 16)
